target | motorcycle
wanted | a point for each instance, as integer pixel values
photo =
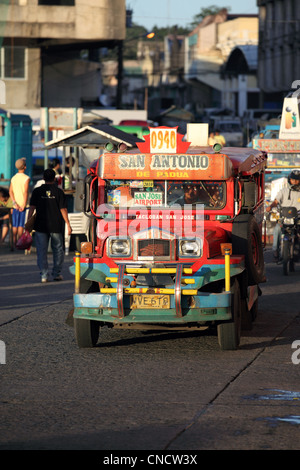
(290, 238)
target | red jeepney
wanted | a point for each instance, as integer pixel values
(175, 239)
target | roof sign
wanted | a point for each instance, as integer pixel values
(163, 140)
(290, 125)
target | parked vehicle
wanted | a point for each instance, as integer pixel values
(252, 116)
(283, 157)
(15, 141)
(133, 122)
(160, 259)
(290, 239)
(232, 131)
(138, 131)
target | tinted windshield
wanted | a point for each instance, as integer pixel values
(146, 193)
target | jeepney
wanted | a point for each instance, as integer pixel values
(283, 157)
(158, 259)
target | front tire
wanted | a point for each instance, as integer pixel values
(86, 332)
(229, 333)
(246, 240)
(285, 257)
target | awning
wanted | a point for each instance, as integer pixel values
(93, 137)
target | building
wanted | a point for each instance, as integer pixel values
(49, 50)
(279, 49)
(208, 51)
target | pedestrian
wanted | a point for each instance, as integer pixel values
(18, 191)
(70, 172)
(55, 165)
(211, 139)
(50, 204)
(288, 196)
(7, 204)
(219, 138)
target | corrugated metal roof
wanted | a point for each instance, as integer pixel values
(93, 137)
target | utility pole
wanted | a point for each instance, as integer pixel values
(120, 75)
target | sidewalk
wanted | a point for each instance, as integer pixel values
(21, 290)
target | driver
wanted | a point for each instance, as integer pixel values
(286, 197)
(191, 194)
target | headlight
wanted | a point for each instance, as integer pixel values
(189, 248)
(288, 221)
(119, 247)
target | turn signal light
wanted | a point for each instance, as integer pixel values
(109, 146)
(86, 248)
(122, 147)
(217, 147)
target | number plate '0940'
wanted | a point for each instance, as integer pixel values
(149, 301)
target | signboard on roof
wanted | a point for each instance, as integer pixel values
(277, 145)
(290, 125)
(162, 166)
(61, 118)
(164, 157)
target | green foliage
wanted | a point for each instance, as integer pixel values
(136, 33)
(210, 10)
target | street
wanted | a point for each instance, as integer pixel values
(144, 391)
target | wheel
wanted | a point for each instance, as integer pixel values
(254, 310)
(85, 287)
(86, 332)
(229, 333)
(285, 257)
(246, 240)
(246, 320)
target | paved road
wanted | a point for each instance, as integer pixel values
(163, 391)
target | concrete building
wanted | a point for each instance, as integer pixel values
(208, 49)
(49, 49)
(279, 49)
(239, 73)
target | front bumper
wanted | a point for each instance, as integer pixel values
(187, 304)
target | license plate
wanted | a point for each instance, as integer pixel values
(150, 301)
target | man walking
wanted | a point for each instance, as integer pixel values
(51, 211)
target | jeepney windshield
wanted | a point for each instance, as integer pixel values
(146, 193)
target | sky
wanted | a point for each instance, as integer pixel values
(163, 13)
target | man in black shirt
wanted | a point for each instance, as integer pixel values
(51, 212)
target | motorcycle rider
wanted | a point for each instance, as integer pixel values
(286, 197)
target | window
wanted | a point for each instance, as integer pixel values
(158, 194)
(212, 194)
(12, 62)
(62, 3)
(135, 193)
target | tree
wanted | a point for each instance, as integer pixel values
(210, 10)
